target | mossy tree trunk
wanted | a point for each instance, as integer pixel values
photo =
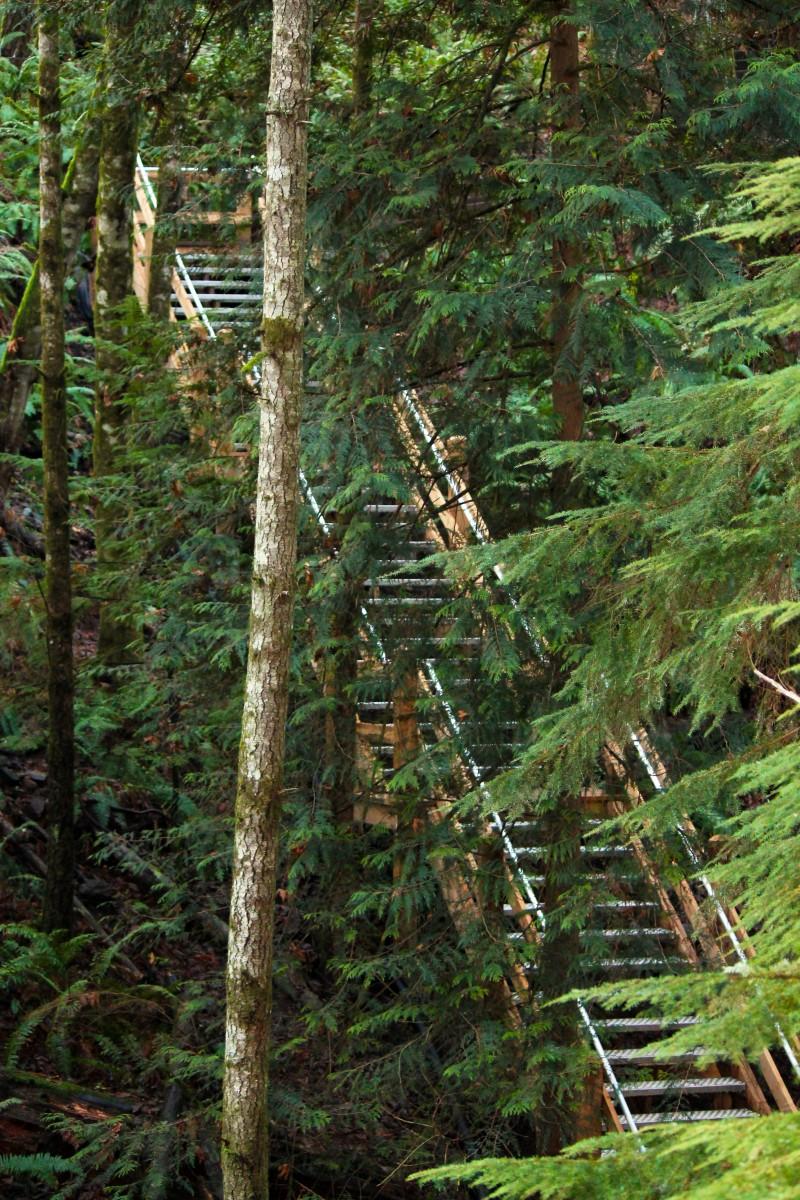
(407, 746)
(170, 197)
(260, 783)
(18, 368)
(558, 965)
(341, 671)
(567, 390)
(113, 285)
(59, 884)
(363, 53)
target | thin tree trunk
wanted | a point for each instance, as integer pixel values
(162, 259)
(407, 747)
(113, 284)
(363, 53)
(59, 883)
(341, 672)
(170, 195)
(567, 390)
(558, 964)
(260, 783)
(556, 1122)
(18, 368)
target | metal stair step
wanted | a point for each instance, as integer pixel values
(392, 509)
(586, 877)
(667, 963)
(235, 279)
(709, 1114)
(644, 1024)
(613, 905)
(632, 1056)
(630, 932)
(237, 298)
(586, 851)
(403, 581)
(660, 1087)
(400, 601)
(200, 259)
(607, 934)
(627, 964)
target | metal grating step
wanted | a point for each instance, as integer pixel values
(648, 1056)
(586, 851)
(660, 1087)
(402, 582)
(391, 509)
(629, 932)
(628, 964)
(644, 1024)
(709, 1114)
(667, 963)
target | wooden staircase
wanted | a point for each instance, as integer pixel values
(420, 684)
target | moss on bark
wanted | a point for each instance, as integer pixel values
(18, 366)
(59, 884)
(249, 975)
(113, 285)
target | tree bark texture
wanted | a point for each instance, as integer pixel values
(170, 197)
(18, 370)
(558, 971)
(559, 951)
(567, 391)
(59, 882)
(113, 284)
(363, 53)
(559, 1118)
(341, 672)
(260, 782)
(407, 747)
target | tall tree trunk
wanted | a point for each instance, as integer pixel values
(555, 1123)
(341, 671)
(558, 964)
(18, 367)
(260, 783)
(162, 258)
(58, 897)
(407, 747)
(170, 197)
(363, 53)
(113, 284)
(567, 391)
